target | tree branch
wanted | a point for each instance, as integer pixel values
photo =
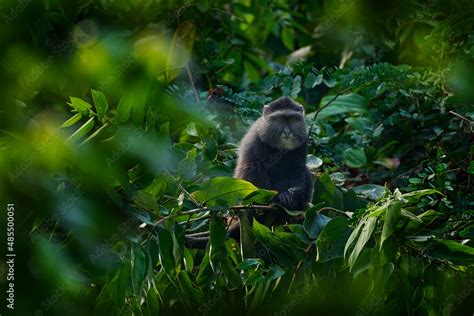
(203, 209)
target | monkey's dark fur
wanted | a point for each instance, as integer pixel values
(272, 155)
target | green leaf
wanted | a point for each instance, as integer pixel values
(260, 292)
(146, 201)
(187, 167)
(166, 256)
(73, 120)
(288, 37)
(312, 80)
(232, 274)
(247, 237)
(188, 287)
(354, 158)
(188, 260)
(260, 196)
(181, 49)
(218, 235)
(347, 103)
(96, 133)
(205, 274)
(251, 71)
(452, 251)
(250, 263)
(139, 266)
(224, 191)
(123, 109)
(425, 218)
(100, 102)
(370, 191)
(313, 162)
(392, 216)
(332, 239)
(352, 237)
(314, 222)
(326, 192)
(157, 188)
(119, 284)
(82, 131)
(416, 195)
(80, 105)
(285, 246)
(470, 169)
(367, 230)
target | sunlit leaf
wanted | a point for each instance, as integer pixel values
(392, 215)
(224, 191)
(101, 104)
(82, 131)
(367, 230)
(73, 120)
(80, 105)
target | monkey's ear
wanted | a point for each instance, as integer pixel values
(266, 110)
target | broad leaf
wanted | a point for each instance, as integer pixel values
(71, 121)
(392, 217)
(166, 245)
(332, 239)
(347, 103)
(314, 222)
(224, 191)
(354, 158)
(366, 233)
(453, 251)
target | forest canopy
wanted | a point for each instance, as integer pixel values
(119, 132)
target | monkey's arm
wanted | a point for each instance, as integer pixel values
(296, 197)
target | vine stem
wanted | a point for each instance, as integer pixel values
(319, 110)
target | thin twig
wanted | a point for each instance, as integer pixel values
(191, 80)
(324, 106)
(327, 208)
(200, 234)
(461, 117)
(319, 110)
(190, 197)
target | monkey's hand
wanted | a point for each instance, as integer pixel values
(290, 199)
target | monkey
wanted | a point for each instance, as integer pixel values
(272, 156)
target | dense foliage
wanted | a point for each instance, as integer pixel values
(119, 138)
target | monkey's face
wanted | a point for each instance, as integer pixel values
(285, 129)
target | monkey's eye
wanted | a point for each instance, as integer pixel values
(277, 119)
